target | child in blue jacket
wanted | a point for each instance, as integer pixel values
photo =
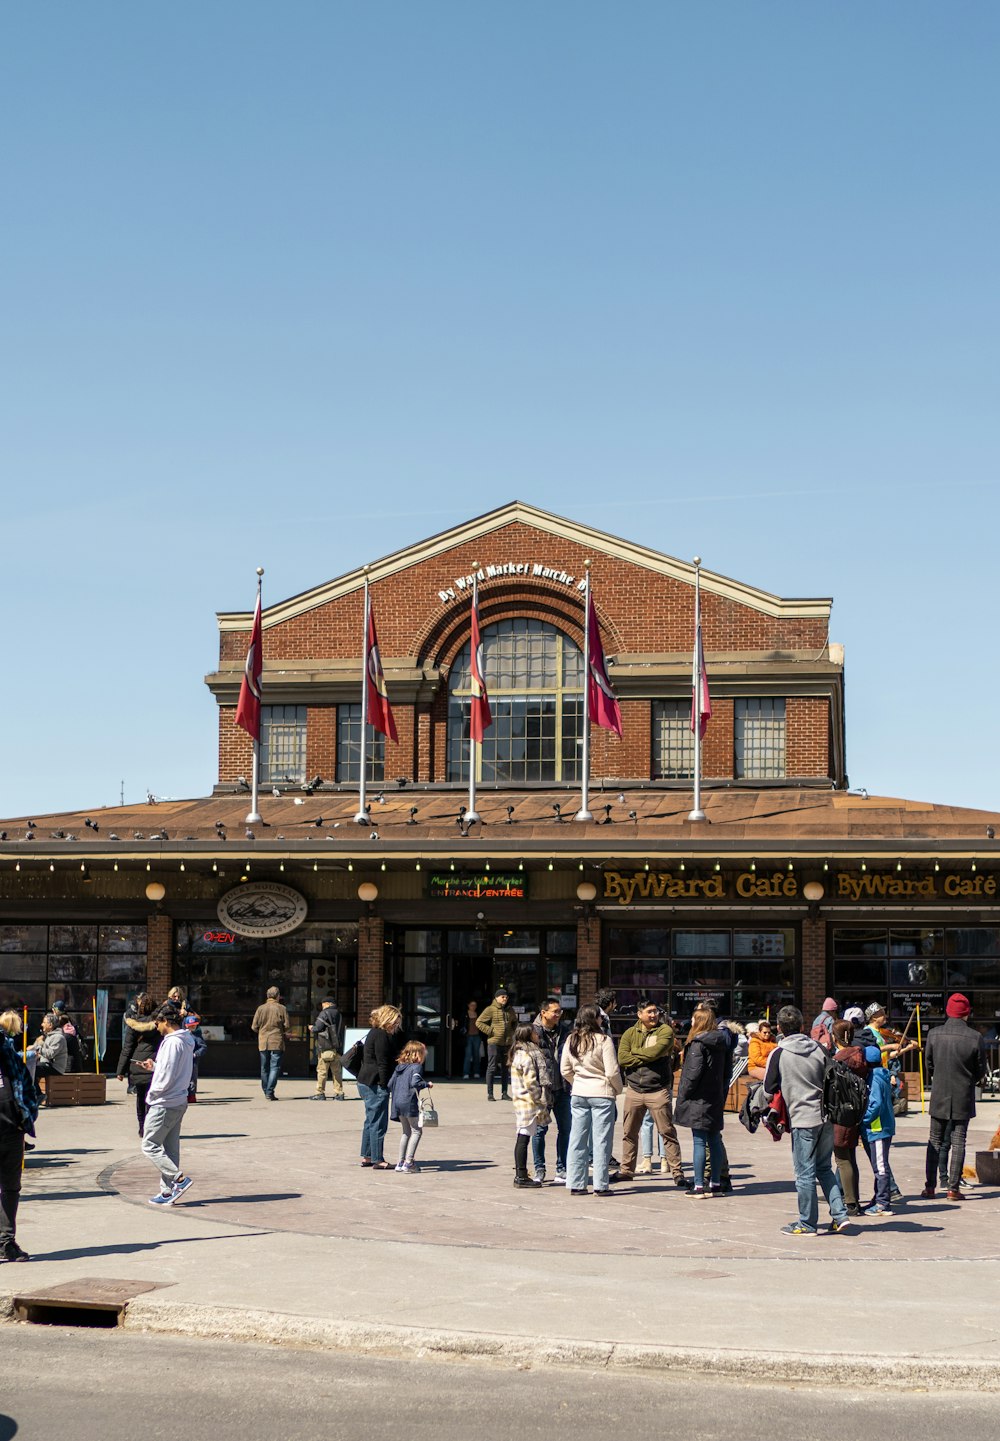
(405, 1085)
(878, 1126)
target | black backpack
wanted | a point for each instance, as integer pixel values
(845, 1095)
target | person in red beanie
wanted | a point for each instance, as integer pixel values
(955, 1063)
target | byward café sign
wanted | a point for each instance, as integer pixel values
(632, 888)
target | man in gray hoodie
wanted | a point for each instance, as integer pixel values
(166, 1104)
(797, 1068)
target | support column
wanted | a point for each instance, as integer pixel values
(815, 982)
(159, 955)
(371, 978)
(588, 958)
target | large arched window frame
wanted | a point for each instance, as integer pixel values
(534, 676)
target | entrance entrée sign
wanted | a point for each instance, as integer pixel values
(262, 909)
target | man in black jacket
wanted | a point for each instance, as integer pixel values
(328, 1028)
(955, 1063)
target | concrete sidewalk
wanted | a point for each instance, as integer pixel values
(285, 1237)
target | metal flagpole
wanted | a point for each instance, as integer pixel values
(362, 815)
(697, 814)
(471, 814)
(255, 818)
(584, 813)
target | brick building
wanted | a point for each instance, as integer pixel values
(792, 888)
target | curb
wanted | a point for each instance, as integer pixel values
(149, 1316)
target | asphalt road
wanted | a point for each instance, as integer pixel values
(57, 1384)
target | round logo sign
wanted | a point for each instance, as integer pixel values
(262, 909)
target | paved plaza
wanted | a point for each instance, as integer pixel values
(285, 1236)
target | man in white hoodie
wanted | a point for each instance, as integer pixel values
(166, 1103)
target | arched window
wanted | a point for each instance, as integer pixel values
(534, 676)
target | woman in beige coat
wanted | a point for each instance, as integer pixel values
(590, 1067)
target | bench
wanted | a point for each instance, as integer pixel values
(77, 1089)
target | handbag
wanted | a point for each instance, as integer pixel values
(428, 1115)
(352, 1061)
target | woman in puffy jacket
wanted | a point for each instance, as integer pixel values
(845, 1138)
(701, 1097)
(140, 1045)
(590, 1067)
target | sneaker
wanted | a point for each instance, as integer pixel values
(683, 1184)
(606, 1192)
(697, 1193)
(13, 1252)
(319, 1096)
(878, 1210)
(954, 1195)
(796, 1228)
(560, 1177)
(162, 1200)
(835, 1227)
(407, 1166)
(339, 1097)
(400, 1166)
(539, 1175)
(579, 1193)
(928, 1193)
(896, 1196)
(524, 1183)
(645, 1166)
(726, 1185)
(184, 1184)
(620, 1175)
(855, 1211)
(715, 1191)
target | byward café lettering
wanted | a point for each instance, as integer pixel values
(526, 570)
(629, 888)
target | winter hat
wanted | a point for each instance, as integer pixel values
(830, 1004)
(958, 1007)
(500, 991)
(855, 1015)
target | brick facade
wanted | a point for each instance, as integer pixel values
(159, 955)
(814, 979)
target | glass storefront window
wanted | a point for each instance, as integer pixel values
(23, 938)
(73, 938)
(742, 970)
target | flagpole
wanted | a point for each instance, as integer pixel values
(584, 813)
(471, 814)
(255, 818)
(697, 814)
(362, 816)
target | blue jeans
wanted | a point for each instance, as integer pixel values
(270, 1070)
(591, 1134)
(712, 1142)
(473, 1057)
(563, 1117)
(376, 1100)
(812, 1158)
(646, 1137)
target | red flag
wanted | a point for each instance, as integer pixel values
(701, 701)
(248, 709)
(604, 708)
(480, 715)
(379, 709)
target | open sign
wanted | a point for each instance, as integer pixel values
(219, 938)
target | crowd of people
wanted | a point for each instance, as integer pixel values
(830, 1086)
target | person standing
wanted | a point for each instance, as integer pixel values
(607, 1004)
(646, 1058)
(498, 1023)
(955, 1063)
(701, 1096)
(167, 1103)
(270, 1023)
(590, 1066)
(383, 1044)
(328, 1029)
(878, 1125)
(405, 1085)
(141, 1042)
(18, 1112)
(550, 1036)
(529, 1089)
(473, 1044)
(797, 1069)
(845, 1138)
(822, 1027)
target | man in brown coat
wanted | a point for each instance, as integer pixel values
(270, 1023)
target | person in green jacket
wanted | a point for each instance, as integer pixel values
(646, 1058)
(498, 1023)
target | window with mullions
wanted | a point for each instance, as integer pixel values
(349, 746)
(283, 743)
(534, 676)
(759, 725)
(673, 741)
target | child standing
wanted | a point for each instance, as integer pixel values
(530, 1097)
(878, 1125)
(405, 1085)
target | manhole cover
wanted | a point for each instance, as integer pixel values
(88, 1301)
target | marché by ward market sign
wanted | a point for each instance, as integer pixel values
(524, 570)
(630, 888)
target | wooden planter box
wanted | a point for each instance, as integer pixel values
(79, 1089)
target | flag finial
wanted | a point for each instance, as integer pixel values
(697, 561)
(260, 570)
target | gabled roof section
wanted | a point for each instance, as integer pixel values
(517, 510)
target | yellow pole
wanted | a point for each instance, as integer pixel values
(24, 1037)
(97, 1059)
(769, 1015)
(920, 1059)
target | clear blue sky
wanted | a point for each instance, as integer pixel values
(298, 284)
